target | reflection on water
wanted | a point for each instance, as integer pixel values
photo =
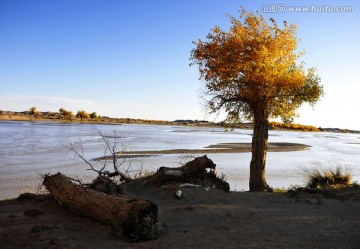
(28, 149)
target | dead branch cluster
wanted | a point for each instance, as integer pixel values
(122, 167)
(104, 199)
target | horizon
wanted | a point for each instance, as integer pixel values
(131, 58)
(246, 122)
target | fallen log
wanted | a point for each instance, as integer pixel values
(192, 172)
(197, 166)
(135, 218)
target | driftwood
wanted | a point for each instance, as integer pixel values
(106, 185)
(192, 172)
(135, 218)
(189, 170)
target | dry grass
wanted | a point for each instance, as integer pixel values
(277, 125)
(322, 182)
(325, 178)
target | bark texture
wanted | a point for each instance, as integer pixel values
(133, 217)
(259, 150)
(192, 172)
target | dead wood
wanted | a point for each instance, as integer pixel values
(106, 185)
(197, 166)
(194, 172)
(135, 218)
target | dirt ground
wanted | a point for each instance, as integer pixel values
(201, 219)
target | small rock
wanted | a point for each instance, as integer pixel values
(178, 194)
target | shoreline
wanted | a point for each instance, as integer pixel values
(55, 117)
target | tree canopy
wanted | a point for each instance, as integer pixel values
(65, 113)
(82, 115)
(255, 62)
(251, 71)
(34, 111)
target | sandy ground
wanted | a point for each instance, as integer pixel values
(201, 219)
(211, 149)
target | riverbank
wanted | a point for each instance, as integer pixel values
(201, 219)
(56, 117)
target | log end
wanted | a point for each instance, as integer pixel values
(141, 222)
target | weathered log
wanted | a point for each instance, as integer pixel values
(106, 185)
(135, 218)
(191, 169)
(197, 166)
(192, 172)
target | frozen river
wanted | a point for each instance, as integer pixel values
(28, 149)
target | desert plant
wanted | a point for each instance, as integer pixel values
(277, 125)
(252, 73)
(82, 115)
(66, 114)
(34, 111)
(93, 115)
(330, 177)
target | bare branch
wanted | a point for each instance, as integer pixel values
(72, 148)
(122, 168)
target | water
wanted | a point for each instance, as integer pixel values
(29, 149)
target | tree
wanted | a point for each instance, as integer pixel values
(93, 115)
(82, 115)
(251, 72)
(34, 111)
(66, 114)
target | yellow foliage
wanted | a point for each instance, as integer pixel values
(34, 111)
(82, 115)
(252, 64)
(66, 114)
(251, 72)
(277, 125)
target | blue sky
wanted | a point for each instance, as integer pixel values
(130, 58)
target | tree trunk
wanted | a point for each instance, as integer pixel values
(259, 149)
(135, 218)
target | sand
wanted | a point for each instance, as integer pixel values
(201, 219)
(211, 149)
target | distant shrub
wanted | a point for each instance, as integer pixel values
(278, 125)
(93, 115)
(66, 114)
(82, 115)
(322, 178)
(34, 111)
